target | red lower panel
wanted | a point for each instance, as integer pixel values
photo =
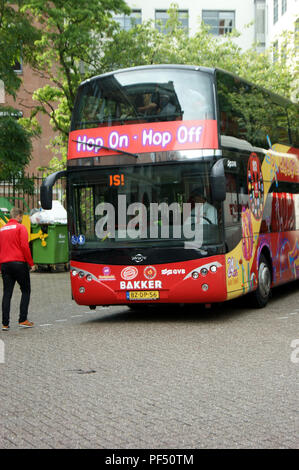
(196, 281)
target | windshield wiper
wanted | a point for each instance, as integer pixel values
(123, 152)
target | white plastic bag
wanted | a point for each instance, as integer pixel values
(56, 215)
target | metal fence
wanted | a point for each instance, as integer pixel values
(12, 195)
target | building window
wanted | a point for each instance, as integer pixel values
(260, 24)
(284, 5)
(275, 11)
(162, 16)
(126, 22)
(221, 22)
(18, 66)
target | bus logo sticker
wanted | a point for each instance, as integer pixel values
(106, 270)
(128, 273)
(150, 272)
(106, 276)
(138, 258)
(231, 164)
(170, 272)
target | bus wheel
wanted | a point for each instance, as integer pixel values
(262, 294)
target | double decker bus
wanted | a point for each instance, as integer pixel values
(182, 187)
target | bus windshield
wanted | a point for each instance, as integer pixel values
(167, 204)
(144, 95)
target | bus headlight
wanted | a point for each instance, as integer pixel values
(81, 290)
(89, 277)
(205, 287)
(204, 271)
(74, 272)
(213, 268)
(81, 274)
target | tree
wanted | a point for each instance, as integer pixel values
(15, 150)
(70, 35)
(16, 37)
(143, 44)
(79, 39)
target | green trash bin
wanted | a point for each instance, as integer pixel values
(56, 250)
(5, 207)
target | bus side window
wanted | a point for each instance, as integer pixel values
(250, 113)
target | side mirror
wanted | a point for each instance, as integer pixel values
(46, 189)
(218, 181)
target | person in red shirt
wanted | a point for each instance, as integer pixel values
(15, 259)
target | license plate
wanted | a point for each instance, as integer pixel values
(143, 295)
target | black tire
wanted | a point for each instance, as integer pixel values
(261, 295)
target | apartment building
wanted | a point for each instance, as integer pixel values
(282, 15)
(223, 16)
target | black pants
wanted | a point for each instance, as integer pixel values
(12, 272)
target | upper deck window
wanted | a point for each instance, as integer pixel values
(144, 95)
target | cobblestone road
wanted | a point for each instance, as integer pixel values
(185, 378)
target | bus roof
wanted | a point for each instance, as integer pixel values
(152, 66)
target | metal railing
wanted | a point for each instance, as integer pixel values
(12, 195)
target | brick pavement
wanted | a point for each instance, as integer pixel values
(183, 379)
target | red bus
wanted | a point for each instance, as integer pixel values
(182, 187)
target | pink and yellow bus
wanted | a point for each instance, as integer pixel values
(182, 187)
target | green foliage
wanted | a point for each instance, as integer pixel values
(70, 35)
(145, 45)
(15, 146)
(16, 37)
(78, 39)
